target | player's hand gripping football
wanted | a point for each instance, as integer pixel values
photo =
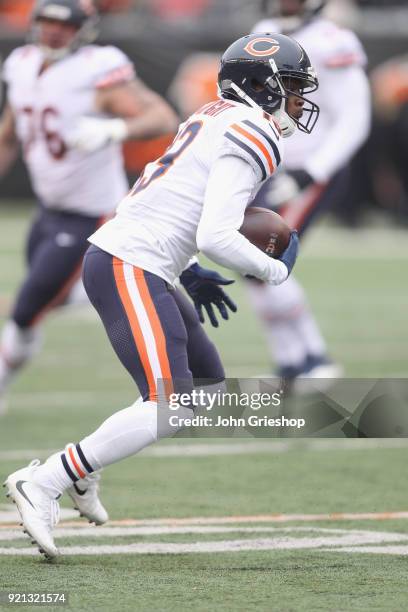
(290, 254)
(203, 286)
(91, 133)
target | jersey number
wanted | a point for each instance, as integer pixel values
(55, 144)
(164, 163)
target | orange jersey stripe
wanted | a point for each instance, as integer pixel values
(135, 326)
(157, 329)
(258, 143)
(74, 461)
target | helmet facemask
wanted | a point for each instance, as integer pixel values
(272, 96)
(282, 86)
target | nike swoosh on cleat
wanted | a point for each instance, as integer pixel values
(19, 487)
(79, 491)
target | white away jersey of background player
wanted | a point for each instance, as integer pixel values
(333, 52)
(47, 106)
(156, 224)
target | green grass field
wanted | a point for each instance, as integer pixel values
(337, 544)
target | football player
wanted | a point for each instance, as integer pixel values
(70, 105)
(192, 198)
(313, 176)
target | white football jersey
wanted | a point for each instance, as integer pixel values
(343, 97)
(156, 224)
(46, 106)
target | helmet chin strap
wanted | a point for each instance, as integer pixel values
(285, 121)
(241, 94)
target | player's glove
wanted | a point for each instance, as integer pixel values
(91, 133)
(290, 254)
(203, 286)
(285, 187)
(302, 178)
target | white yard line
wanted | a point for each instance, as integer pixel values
(374, 550)
(349, 539)
(250, 447)
(264, 518)
(114, 532)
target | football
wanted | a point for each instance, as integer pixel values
(266, 230)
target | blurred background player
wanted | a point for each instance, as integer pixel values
(313, 177)
(70, 105)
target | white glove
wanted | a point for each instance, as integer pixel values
(92, 134)
(286, 186)
(281, 189)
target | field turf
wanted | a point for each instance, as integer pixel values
(196, 520)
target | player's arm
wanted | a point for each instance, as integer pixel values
(230, 188)
(348, 101)
(8, 140)
(145, 113)
(133, 112)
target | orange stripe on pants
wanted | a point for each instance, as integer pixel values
(159, 337)
(134, 325)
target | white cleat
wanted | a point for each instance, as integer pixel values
(84, 494)
(38, 510)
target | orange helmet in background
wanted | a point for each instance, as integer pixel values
(17, 13)
(195, 82)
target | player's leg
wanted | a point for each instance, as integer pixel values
(291, 331)
(204, 363)
(55, 248)
(147, 333)
(203, 358)
(293, 335)
(146, 330)
(16, 345)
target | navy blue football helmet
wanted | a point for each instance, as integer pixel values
(263, 69)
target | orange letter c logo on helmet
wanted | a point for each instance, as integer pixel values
(257, 47)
